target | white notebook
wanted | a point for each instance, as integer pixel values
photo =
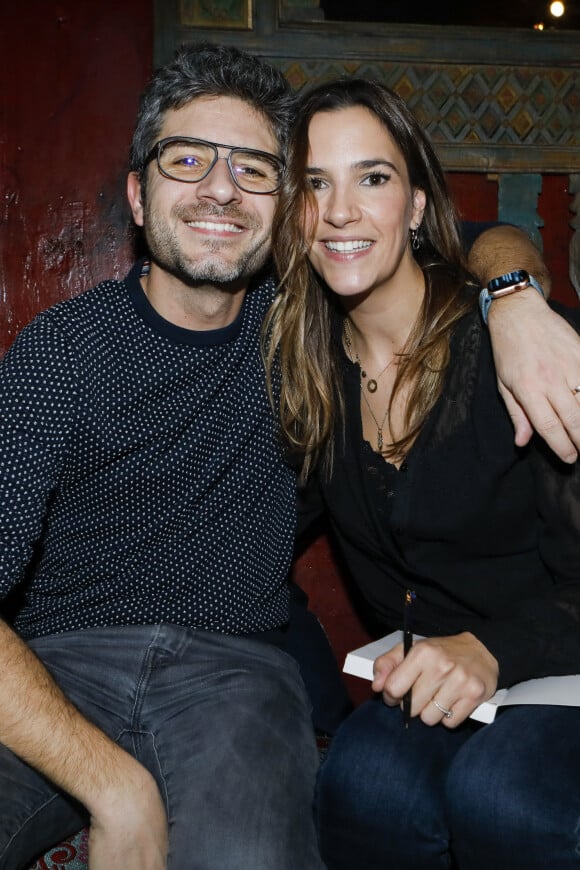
(560, 691)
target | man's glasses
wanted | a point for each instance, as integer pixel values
(190, 160)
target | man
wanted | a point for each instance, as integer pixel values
(143, 453)
(147, 514)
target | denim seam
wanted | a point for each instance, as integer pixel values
(144, 675)
(27, 822)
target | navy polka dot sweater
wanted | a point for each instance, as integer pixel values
(140, 480)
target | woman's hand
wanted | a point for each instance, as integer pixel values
(457, 672)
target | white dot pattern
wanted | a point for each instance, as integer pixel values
(139, 470)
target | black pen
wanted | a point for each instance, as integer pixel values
(407, 644)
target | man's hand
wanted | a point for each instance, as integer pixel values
(130, 833)
(537, 354)
(453, 674)
(537, 358)
(40, 724)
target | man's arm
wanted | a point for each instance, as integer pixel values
(38, 723)
(537, 354)
(503, 248)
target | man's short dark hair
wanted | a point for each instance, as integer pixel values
(204, 69)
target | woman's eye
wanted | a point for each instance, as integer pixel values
(315, 183)
(375, 179)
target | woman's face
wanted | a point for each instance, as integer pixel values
(366, 206)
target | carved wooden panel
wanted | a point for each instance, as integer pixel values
(500, 101)
(491, 99)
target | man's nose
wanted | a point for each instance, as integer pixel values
(218, 184)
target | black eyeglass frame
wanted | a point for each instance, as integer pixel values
(157, 150)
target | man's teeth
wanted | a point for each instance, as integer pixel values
(216, 228)
(348, 247)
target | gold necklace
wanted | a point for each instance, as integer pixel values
(372, 382)
(379, 427)
(352, 353)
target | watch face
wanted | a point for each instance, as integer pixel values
(509, 283)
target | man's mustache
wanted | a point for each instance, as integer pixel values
(231, 213)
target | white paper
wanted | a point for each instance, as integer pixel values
(560, 691)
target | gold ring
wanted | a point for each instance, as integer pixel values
(575, 390)
(447, 713)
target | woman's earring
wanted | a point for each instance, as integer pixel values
(415, 243)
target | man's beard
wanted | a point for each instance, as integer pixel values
(209, 267)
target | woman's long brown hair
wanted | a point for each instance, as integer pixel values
(298, 347)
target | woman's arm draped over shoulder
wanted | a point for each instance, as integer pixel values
(537, 354)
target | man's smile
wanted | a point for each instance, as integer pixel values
(214, 227)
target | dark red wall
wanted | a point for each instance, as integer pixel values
(71, 73)
(70, 76)
(476, 197)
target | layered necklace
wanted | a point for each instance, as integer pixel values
(371, 383)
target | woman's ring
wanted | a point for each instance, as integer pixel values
(575, 390)
(447, 713)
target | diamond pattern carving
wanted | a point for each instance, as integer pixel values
(459, 105)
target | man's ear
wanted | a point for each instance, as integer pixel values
(135, 198)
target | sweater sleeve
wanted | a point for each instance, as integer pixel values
(38, 407)
(542, 636)
(471, 230)
(309, 506)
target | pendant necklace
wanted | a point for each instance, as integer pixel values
(379, 427)
(371, 384)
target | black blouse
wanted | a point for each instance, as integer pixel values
(487, 534)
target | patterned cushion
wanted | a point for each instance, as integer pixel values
(71, 854)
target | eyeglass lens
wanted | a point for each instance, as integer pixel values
(191, 161)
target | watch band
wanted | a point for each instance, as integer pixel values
(485, 298)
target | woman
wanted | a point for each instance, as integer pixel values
(389, 399)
